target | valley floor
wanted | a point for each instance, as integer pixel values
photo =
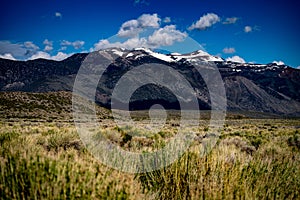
(42, 156)
(254, 159)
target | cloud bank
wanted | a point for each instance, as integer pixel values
(133, 29)
(41, 54)
(7, 56)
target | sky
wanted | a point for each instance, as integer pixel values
(243, 31)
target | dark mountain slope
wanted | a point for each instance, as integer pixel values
(250, 87)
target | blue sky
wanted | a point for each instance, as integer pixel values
(249, 30)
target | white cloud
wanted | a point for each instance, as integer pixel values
(134, 27)
(66, 43)
(48, 48)
(278, 62)
(134, 43)
(104, 44)
(58, 14)
(229, 50)
(167, 20)
(76, 44)
(48, 42)
(130, 28)
(28, 50)
(60, 56)
(18, 50)
(298, 67)
(128, 44)
(136, 2)
(248, 29)
(7, 56)
(236, 59)
(160, 36)
(147, 20)
(31, 45)
(205, 22)
(230, 20)
(63, 48)
(166, 36)
(41, 54)
(48, 45)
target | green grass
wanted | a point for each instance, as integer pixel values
(254, 159)
(47, 162)
(227, 173)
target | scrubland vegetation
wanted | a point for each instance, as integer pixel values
(254, 159)
(44, 158)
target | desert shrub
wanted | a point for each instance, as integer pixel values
(125, 138)
(294, 140)
(65, 141)
(162, 133)
(256, 142)
(8, 137)
(240, 143)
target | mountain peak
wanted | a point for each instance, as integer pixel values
(256, 87)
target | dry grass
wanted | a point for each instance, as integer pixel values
(42, 157)
(254, 159)
(43, 161)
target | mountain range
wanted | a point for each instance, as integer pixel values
(267, 88)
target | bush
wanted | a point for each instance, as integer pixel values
(294, 141)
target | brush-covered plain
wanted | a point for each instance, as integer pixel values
(44, 158)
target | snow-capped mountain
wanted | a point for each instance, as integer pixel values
(249, 87)
(173, 57)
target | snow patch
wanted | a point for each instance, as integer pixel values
(156, 55)
(198, 54)
(139, 56)
(175, 54)
(162, 57)
(129, 55)
(278, 62)
(117, 52)
(202, 55)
